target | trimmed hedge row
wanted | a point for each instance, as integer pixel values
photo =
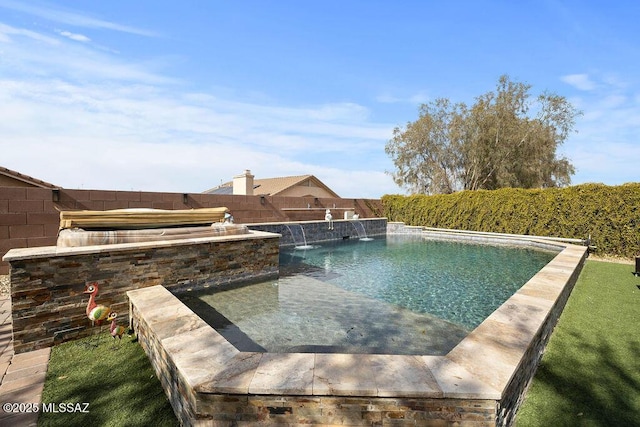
(610, 214)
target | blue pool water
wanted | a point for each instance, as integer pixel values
(459, 282)
(396, 295)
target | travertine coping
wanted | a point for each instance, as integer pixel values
(479, 367)
(17, 254)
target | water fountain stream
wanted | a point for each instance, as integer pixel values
(362, 233)
(304, 238)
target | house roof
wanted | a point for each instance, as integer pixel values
(273, 186)
(25, 178)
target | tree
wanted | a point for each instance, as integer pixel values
(505, 139)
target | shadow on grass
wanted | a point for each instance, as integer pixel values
(591, 389)
(115, 379)
(590, 372)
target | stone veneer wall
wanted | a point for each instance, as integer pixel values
(401, 228)
(274, 410)
(47, 284)
(319, 231)
(197, 408)
(514, 393)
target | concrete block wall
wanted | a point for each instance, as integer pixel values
(29, 217)
(47, 284)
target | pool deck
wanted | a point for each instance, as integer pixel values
(21, 375)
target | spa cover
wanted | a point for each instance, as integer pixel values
(76, 237)
(127, 219)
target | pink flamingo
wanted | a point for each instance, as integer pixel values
(116, 330)
(97, 313)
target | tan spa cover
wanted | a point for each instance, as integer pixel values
(140, 218)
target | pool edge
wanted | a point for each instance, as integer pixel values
(483, 378)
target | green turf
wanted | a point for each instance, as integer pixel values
(590, 372)
(116, 379)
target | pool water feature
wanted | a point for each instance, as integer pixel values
(303, 244)
(399, 295)
(362, 233)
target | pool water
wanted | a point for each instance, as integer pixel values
(393, 295)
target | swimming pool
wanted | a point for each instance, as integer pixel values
(481, 381)
(394, 295)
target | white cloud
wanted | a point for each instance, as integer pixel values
(74, 36)
(613, 101)
(599, 160)
(72, 18)
(604, 147)
(356, 183)
(416, 98)
(579, 81)
(82, 118)
(34, 54)
(387, 98)
(7, 31)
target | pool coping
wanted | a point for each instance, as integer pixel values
(481, 366)
(17, 254)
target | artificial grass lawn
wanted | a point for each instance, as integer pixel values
(116, 379)
(590, 372)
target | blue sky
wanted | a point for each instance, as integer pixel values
(181, 96)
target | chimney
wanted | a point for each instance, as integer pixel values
(243, 183)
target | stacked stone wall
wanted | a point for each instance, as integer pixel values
(193, 408)
(48, 304)
(515, 392)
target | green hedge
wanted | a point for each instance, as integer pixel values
(610, 214)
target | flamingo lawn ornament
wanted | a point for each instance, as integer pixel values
(329, 217)
(96, 313)
(116, 330)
